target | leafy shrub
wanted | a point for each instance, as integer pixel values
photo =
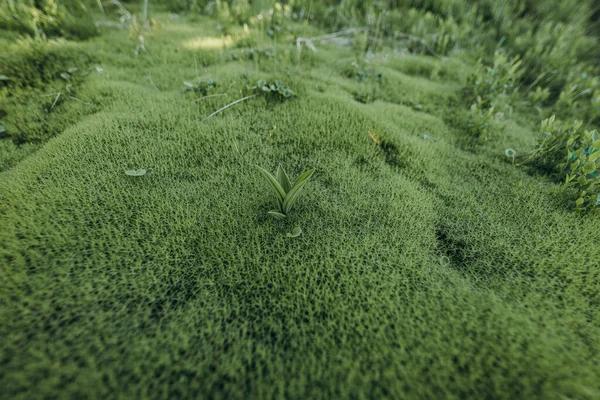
(574, 155)
(484, 121)
(488, 83)
(580, 96)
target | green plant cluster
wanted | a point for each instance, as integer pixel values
(501, 79)
(574, 155)
(201, 86)
(485, 122)
(68, 18)
(271, 89)
(580, 96)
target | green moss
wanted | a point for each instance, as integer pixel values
(423, 270)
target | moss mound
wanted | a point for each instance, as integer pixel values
(424, 269)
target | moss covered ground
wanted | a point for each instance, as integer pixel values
(429, 266)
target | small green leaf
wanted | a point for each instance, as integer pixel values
(594, 156)
(3, 78)
(65, 76)
(2, 128)
(291, 197)
(277, 189)
(276, 214)
(135, 172)
(579, 202)
(283, 179)
(304, 176)
(589, 167)
(294, 233)
(72, 70)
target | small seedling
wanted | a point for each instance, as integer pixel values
(283, 189)
(136, 172)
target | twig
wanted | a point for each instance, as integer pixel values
(229, 105)
(209, 96)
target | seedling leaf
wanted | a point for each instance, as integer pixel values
(283, 179)
(276, 214)
(275, 186)
(293, 194)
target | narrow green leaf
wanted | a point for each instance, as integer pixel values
(277, 189)
(291, 197)
(276, 214)
(304, 176)
(283, 179)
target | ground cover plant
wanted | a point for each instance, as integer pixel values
(445, 246)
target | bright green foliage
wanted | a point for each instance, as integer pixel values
(285, 192)
(272, 90)
(574, 154)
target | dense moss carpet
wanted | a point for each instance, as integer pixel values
(427, 267)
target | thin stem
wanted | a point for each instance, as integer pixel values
(229, 105)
